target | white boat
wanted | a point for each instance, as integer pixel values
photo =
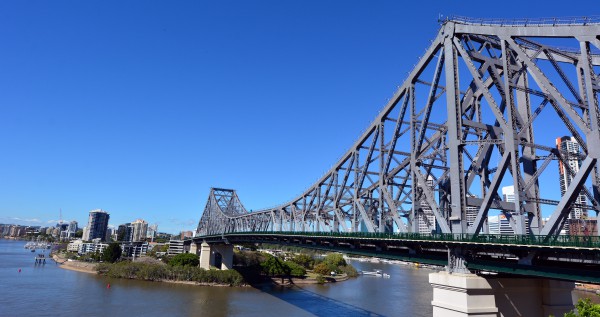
(372, 273)
(31, 245)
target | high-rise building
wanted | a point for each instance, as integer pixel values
(499, 225)
(125, 232)
(97, 225)
(471, 215)
(140, 228)
(186, 234)
(569, 149)
(152, 230)
(71, 229)
(109, 233)
(508, 194)
(426, 219)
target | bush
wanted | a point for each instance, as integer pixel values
(185, 259)
(585, 308)
(158, 271)
(321, 279)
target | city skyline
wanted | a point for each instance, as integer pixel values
(143, 115)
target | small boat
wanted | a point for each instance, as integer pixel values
(375, 273)
(372, 273)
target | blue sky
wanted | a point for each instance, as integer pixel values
(139, 107)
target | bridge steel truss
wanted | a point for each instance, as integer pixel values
(469, 117)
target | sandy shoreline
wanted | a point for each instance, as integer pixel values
(75, 265)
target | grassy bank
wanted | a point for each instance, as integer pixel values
(161, 272)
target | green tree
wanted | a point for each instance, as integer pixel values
(295, 269)
(322, 269)
(305, 260)
(248, 258)
(112, 253)
(335, 259)
(79, 233)
(585, 308)
(185, 259)
(273, 266)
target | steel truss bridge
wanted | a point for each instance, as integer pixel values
(481, 109)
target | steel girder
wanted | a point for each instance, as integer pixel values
(460, 126)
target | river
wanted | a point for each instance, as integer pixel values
(47, 290)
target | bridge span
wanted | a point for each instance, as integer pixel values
(492, 103)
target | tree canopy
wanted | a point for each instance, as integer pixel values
(112, 253)
(335, 260)
(273, 266)
(305, 260)
(185, 259)
(585, 308)
(295, 269)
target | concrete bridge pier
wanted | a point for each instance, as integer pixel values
(218, 255)
(465, 294)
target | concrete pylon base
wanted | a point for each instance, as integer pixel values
(205, 256)
(226, 252)
(208, 256)
(471, 295)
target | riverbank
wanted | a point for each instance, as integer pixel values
(308, 280)
(83, 267)
(591, 288)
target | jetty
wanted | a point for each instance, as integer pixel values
(40, 259)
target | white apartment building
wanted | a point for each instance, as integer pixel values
(140, 229)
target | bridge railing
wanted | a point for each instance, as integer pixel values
(529, 240)
(569, 21)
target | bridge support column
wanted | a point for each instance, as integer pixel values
(226, 253)
(219, 255)
(205, 256)
(462, 295)
(194, 248)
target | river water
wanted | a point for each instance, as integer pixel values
(47, 290)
